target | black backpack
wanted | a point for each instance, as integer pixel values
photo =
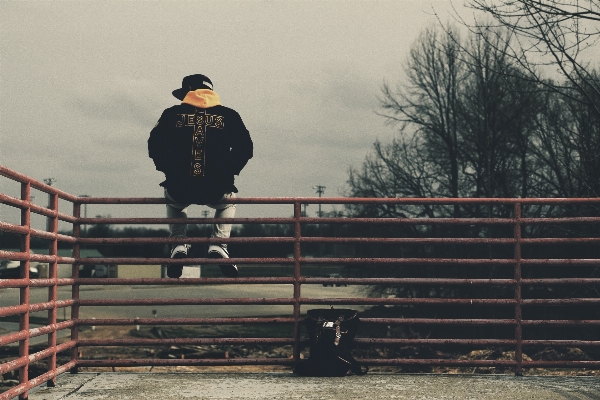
(331, 333)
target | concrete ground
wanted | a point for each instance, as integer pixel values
(148, 386)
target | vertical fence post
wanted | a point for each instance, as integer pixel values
(518, 297)
(52, 290)
(297, 276)
(75, 287)
(24, 292)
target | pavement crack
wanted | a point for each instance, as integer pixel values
(80, 386)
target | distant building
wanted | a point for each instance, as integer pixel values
(104, 270)
(64, 270)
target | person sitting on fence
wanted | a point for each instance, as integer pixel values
(199, 145)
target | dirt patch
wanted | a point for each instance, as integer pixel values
(267, 351)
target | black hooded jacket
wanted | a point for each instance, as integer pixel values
(200, 145)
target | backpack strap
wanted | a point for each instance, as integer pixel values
(359, 369)
(356, 367)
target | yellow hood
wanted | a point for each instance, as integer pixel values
(202, 98)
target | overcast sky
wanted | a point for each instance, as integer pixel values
(82, 83)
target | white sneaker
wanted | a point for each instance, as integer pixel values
(220, 251)
(180, 251)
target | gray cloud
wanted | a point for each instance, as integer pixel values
(82, 84)
(114, 106)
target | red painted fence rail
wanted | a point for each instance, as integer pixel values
(25, 283)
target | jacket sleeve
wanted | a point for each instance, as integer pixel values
(158, 148)
(242, 148)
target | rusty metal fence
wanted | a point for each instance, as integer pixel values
(515, 222)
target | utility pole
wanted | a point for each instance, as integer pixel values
(205, 213)
(320, 190)
(49, 182)
(84, 214)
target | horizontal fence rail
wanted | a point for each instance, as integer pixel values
(505, 300)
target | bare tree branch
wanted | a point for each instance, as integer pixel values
(550, 32)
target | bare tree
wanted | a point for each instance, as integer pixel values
(474, 122)
(550, 33)
(497, 108)
(567, 147)
(470, 114)
(429, 104)
(397, 169)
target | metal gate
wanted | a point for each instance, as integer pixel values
(513, 222)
